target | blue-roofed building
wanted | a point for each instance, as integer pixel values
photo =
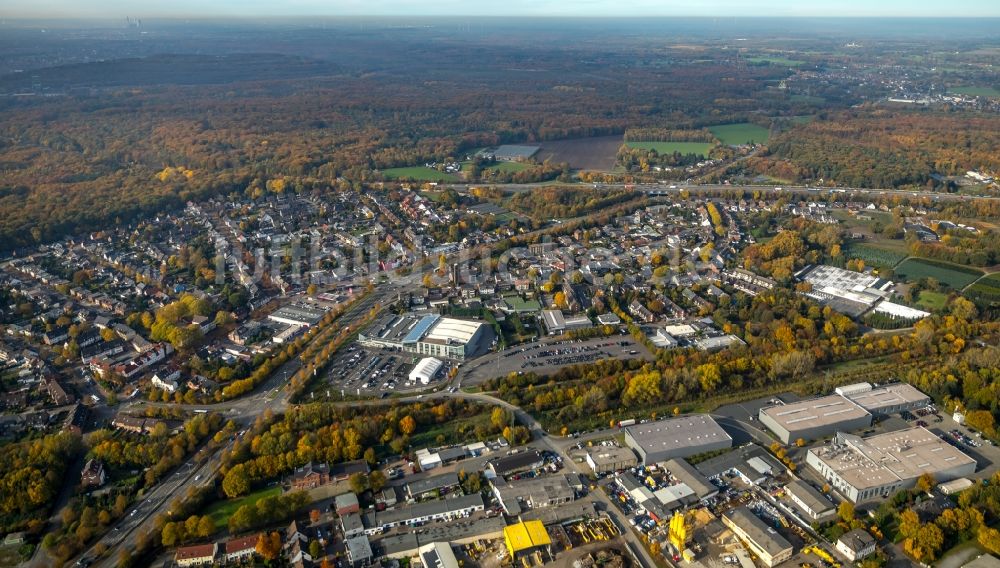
(429, 335)
(418, 331)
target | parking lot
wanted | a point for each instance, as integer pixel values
(547, 356)
(373, 370)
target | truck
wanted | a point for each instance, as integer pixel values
(624, 423)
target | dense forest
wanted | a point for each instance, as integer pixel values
(872, 147)
(130, 135)
(31, 474)
(112, 150)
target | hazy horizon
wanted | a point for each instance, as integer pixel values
(68, 9)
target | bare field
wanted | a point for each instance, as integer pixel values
(595, 153)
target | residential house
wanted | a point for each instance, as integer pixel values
(197, 555)
(239, 549)
(856, 544)
(92, 474)
(311, 476)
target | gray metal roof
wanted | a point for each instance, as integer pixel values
(682, 432)
(426, 484)
(688, 475)
(738, 460)
(817, 503)
(762, 535)
(428, 508)
(359, 548)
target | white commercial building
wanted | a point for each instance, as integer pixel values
(814, 418)
(430, 335)
(887, 399)
(874, 468)
(426, 370)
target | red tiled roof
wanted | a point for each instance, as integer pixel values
(196, 551)
(240, 544)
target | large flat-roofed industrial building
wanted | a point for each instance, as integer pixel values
(887, 399)
(430, 335)
(814, 418)
(873, 468)
(298, 314)
(765, 542)
(535, 493)
(676, 438)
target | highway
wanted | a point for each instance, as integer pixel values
(201, 468)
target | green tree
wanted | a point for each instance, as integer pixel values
(376, 480)
(169, 535)
(206, 526)
(236, 482)
(358, 483)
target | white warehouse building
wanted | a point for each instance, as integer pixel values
(874, 468)
(425, 370)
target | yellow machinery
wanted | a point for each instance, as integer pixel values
(678, 531)
(822, 554)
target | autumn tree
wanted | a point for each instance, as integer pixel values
(499, 418)
(236, 482)
(407, 425)
(926, 482)
(846, 511)
(268, 546)
(989, 538)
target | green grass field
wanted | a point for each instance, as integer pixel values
(986, 290)
(952, 275)
(699, 148)
(743, 133)
(875, 256)
(419, 173)
(511, 167)
(776, 60)
(220, 511)
(931, 300)
(976, 91)
(807, 99)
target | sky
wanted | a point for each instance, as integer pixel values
(564, 8)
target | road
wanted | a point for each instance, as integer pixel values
(655, 189)
(559, 447)
(201, 468)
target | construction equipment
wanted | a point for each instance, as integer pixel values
(822, 554)
(678, 531)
